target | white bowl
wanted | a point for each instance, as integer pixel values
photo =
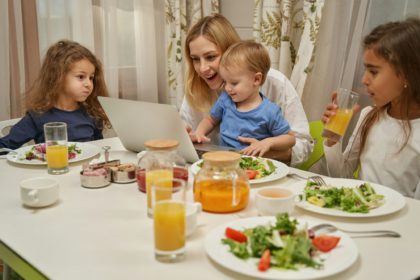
(39, 191)
(271, 201)
(193, 209)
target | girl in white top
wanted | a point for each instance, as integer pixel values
(386, 140)
(206, 42)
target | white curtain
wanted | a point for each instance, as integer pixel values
(288, 29)
(4, 61)
(120, 32)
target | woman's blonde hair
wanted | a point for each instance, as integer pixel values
(60, 57)
(218, 30)
(247, 55)
(399, 44)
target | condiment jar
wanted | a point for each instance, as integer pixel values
(221, 185)
(161, 161)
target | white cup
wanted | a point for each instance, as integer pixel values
(193, 209)
(271, 201)
(39, 192)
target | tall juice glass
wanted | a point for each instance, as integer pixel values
(56, 147)
(168, 200)
(151, 177)
(337, 126)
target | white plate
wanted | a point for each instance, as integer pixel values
(394, 201)
(281, 171)
(337, 260)
(88, 151)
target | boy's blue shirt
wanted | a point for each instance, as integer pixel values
(264, 121)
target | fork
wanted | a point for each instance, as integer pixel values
(316, 179)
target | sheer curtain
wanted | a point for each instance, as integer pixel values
(289, 29)
(120, 32)
(19, 54)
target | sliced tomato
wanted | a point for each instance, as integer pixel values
(264, 263)
(235, 235)
(251, 173)
(325, 243)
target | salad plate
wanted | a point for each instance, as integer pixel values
(394, 201)
(87, 151)
(335, 261)
(281, 170)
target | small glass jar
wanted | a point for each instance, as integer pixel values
(161, 161)
(221, 186)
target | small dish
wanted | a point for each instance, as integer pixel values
(124, 173)
(95, 181)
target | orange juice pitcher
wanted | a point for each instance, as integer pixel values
(221, 186)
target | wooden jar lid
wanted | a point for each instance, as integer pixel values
(161, 144)
(221, 157)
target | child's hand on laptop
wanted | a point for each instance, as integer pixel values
(198, 137)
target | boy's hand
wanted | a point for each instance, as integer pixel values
(256, 147)
(198, 138)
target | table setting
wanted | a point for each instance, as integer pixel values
(105, 233)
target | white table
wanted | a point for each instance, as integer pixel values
(105, 233)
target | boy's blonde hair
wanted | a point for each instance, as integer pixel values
(249, 55)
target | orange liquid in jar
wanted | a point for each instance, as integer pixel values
(217, 195)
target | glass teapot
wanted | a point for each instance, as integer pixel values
(221, 186)
(161, 161)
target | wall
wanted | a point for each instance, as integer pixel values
(240, 14)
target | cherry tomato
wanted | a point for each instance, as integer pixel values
(264, 263)
(235, 235)
(325, 243)
(251, 173)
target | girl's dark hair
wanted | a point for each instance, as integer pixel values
(399, 44)
(60, 57)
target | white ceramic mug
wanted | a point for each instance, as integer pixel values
(193, 209)
(271, 201)
(39, 192)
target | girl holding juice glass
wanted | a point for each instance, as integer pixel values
(386, 140)
(66, 90)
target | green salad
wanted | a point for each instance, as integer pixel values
(358, 199)
(281, 245)
(255, 167)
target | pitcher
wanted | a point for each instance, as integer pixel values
(221, 186)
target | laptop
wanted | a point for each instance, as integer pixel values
(137, 121)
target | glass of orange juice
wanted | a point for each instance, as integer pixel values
(168, 201)
(56, 147)
(337, 126)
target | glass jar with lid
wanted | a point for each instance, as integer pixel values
(161, 161)
(221, 186)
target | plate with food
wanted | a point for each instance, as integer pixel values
(258, 169)
(348, 198)
(279, 248)
(35, 154)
